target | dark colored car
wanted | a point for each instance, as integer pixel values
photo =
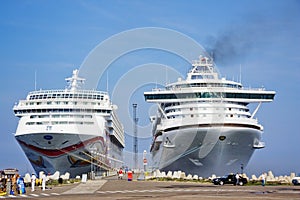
(229, 179)
(296, 180)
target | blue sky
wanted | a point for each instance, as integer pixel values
(52, 38)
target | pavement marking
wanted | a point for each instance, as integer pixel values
(45, 194)
(171, 190)
(89, 187)
(22, 196)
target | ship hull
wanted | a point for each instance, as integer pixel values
(51, 152)
(70, 130)
(206, 151)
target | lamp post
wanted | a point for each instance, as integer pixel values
(135, 140)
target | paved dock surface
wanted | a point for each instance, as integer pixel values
(112, 188)
(89, 187)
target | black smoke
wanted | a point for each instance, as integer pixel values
(235, 42)
(230, 45)
(251, 33)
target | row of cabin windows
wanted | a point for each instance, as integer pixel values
(226, 85)
(209, 95)
(62, 110)
(197, 108)
(205, 115)
(62, 102)
(196, 102)
(59, 123)
(61, 116)
(66, 96)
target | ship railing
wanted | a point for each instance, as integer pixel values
(176, 88)
(256, 89)
(98, 163)
(168, 123)
(67, 91)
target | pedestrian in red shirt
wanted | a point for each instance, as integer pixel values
(120, 174)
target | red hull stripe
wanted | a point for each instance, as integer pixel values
(59, 152)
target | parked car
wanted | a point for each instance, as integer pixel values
(229, 179)
(296, 180)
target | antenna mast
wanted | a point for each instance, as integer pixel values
(35, 80)
(107, 81)
(135, 140)
(240, 73)
(74, 81)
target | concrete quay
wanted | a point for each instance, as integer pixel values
(112, 188)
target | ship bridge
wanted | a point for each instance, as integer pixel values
(203, 69)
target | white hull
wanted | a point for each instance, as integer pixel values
(203, 124)
(67, 148)
(71, 130)
(200, 150)
(71, 154)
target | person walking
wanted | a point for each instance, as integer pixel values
(33, 178)
(21, 185)
(44, 181)
(263, 180)
(8, 187)
(237, 179)
(120, 174)
(14, 189)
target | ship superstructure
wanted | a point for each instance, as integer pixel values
(70, 130)
(203, 124)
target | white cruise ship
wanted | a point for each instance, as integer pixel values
(203, 125)
(70, 130)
